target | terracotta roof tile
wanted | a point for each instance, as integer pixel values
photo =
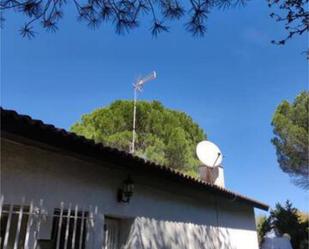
(25, 126)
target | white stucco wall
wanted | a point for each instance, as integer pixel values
(167, 215)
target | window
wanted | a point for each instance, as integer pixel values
(10, 219)
(72, 231)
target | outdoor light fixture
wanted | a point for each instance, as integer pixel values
(126, 192)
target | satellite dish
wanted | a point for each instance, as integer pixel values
(209, 154)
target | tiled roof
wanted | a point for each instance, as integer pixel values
(25, 126)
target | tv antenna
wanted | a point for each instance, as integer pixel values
(138, 86)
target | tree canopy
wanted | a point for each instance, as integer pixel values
(291, 140)
(295, 16)
(126, 15)
(286, 219)
(163, 136)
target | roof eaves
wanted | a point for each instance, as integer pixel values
(24, 125)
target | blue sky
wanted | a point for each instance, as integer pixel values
(230, 82)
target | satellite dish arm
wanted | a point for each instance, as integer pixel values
(219, 154)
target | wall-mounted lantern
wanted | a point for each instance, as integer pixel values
(126, 192)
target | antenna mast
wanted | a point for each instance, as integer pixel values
(138, 86)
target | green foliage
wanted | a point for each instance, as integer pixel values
(285, 219)
(304, 216)
(263, 226)
(290, 123)
(164, 136)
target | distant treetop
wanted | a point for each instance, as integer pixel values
(164, 136)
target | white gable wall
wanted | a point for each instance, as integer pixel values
(166, 214)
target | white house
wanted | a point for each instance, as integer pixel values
(62, 191)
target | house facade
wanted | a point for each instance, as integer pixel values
(63, 191)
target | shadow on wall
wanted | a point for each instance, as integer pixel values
(153, 234)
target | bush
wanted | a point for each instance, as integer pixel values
(286, 219)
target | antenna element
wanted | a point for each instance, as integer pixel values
(138, 86)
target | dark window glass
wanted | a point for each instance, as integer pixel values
(13, 226)
(80, 231)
